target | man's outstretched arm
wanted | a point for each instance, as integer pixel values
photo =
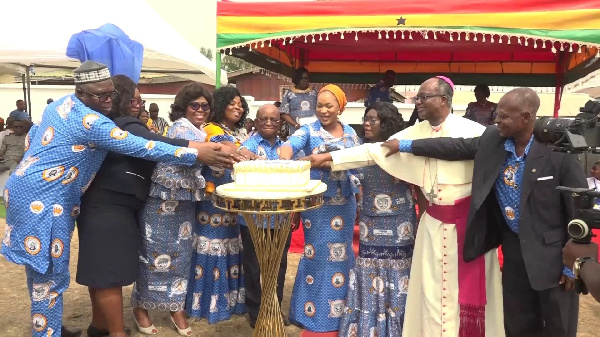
(444, 148)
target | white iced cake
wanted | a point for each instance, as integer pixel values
(265, 175)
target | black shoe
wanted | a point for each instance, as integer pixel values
(64, 332)
(252, 324)
(95, 332)
(286, 321)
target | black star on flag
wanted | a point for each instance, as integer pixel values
(401, 21)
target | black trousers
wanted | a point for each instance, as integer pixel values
(533, 313)
(252, 274)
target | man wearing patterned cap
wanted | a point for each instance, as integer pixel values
(42, 197)
(446, 296)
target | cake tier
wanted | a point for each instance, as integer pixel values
(272, 174)
(233, 191)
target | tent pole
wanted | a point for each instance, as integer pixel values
(27, 75)
(23, 79)
(218, 66)
(561, 68)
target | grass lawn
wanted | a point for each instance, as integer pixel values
(2, 210)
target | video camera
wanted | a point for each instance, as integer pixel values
(569, 135)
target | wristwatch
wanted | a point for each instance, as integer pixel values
(579, 264)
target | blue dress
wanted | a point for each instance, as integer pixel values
(378, 283)
(322, 279)
(299, 104)
(167, 231)
(378, 93)
(42, 196)
(216, 288)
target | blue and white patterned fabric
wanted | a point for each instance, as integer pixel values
(378, 284)
(167, 231)
(42, 196)
(264, 150)
(216, 288)
(299, 105)
(319, 294)
(507, 186)
(378, 93)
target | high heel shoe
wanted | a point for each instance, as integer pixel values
(151, 330)
(182, 332)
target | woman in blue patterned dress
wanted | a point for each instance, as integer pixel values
(321, 282)
(216, 288)
(379, 281)
(167, 220)
(299, 103)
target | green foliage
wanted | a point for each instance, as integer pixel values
(228, 63)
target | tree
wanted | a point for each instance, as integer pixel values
(231, 64)
(207, 52)
(228, 63)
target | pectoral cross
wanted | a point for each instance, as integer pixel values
(431, 196)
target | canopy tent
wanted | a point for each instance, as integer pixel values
(530, 42)
(39, 36)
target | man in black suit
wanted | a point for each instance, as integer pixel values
(515, 203)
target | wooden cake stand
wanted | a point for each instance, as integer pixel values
(263, 210)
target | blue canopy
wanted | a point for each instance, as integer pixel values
(111, 46)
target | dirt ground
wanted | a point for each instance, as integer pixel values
(15, 318)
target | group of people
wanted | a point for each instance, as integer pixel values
(433, 272)
(485, 187)
(12, 137)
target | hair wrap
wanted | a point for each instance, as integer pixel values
(338, 93)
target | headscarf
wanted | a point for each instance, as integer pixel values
(447, 80)
(339, 94)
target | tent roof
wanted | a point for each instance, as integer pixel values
(509, 43)
(40, 36)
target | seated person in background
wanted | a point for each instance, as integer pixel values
(265, 144)
(8, 130)
(381, 92)
(249, 125)
(13, 146)
(20, 113)
(481, 111)
(594, 180)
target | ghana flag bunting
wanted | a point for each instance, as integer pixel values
(504, 42)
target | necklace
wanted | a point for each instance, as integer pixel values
(300, 91)
(432, 195)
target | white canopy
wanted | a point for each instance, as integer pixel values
(36, 32)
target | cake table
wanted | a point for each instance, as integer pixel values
(262, 210)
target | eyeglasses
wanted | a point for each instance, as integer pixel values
(273, 121)
(103, 97)
(371, 120)
(199, 106)
(137, 102)
(423, 97)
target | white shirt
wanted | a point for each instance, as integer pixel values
(594, 183)
(4, 134)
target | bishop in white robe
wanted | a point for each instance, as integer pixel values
(446, 296)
